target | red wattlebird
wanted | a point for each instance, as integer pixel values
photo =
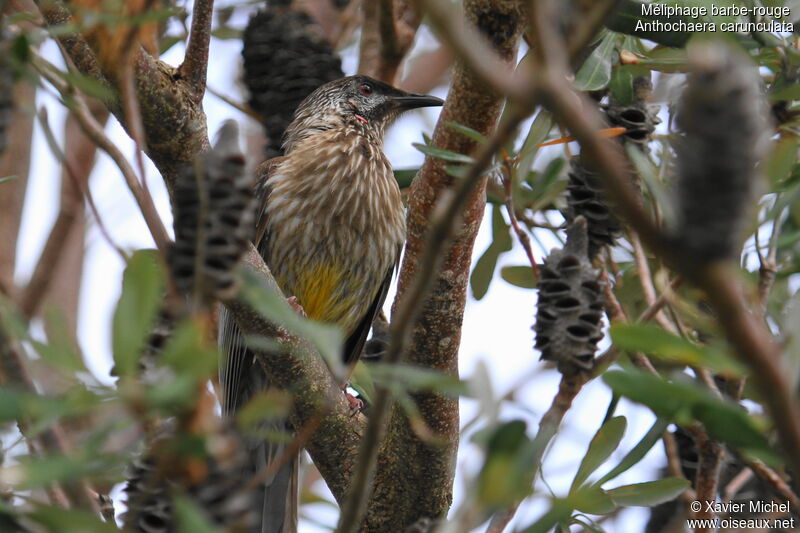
(331, 228)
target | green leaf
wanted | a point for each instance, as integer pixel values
(269, 405)
(401, 377)
(789, 93)
(650, 493)
(592, 500)
(482, 274)
(668, 60)
(782, 159)
(595, 73)
(227, 33)
(638, 452)
(441, 153)
(621, 84)
(8, 178)
(89, 86)
(142, 291)
(559, 513)
(685, 402)
(504, 477)
(70, 520)
(520, 276)
(190, 517)
(501, 234)
(327, 339)
(664, 345)
(466, 131)
(405, 176)
(362, 381)
(603, 444)
(189, 353)
(540, 129)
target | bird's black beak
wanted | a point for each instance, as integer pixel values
(413, 101)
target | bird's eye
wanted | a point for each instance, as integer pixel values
(365, 89)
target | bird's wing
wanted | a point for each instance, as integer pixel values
(354, 344)
(241, 378)
(237, 367)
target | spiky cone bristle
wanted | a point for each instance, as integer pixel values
(585, 198)
(570, 308)
(213, 484)
(722, 116)
(286, 57)
(214, 208)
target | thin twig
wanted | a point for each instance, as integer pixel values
(244, 108)
(33, 293)
(195, 62)
(508, 181)
(775, 481)
(710, 455)
(94, 131)
(646, 281)
(289, 453)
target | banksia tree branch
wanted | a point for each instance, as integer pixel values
(173, 119)
(434, 335)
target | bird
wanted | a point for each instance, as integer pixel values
(330, 227)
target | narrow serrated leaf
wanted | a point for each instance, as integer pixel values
(649, 493)
(603, 444)
(443, 154)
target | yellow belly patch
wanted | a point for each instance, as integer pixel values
(316, 291)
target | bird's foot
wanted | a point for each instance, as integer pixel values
(294, 304)
(356, 404)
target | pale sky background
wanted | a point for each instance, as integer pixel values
(496, 333)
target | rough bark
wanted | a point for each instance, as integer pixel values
(15, 161)
(172, 113)
(414, 478)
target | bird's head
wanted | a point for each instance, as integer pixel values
(354, 100)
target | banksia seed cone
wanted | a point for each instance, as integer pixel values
(722, 116)
(570, 308)
(214, 211)
(215, 489)
(286, 57)
(585, 198)
(638, 117)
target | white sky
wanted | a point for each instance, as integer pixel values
(496, 332)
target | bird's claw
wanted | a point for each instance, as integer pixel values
(356, 404)
(294, 304)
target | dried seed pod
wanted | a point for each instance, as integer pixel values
(212, 484)
(723, 118)
(585, 198)
(638, 118)
(214, 211)
(570, 308)
(286, 57)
